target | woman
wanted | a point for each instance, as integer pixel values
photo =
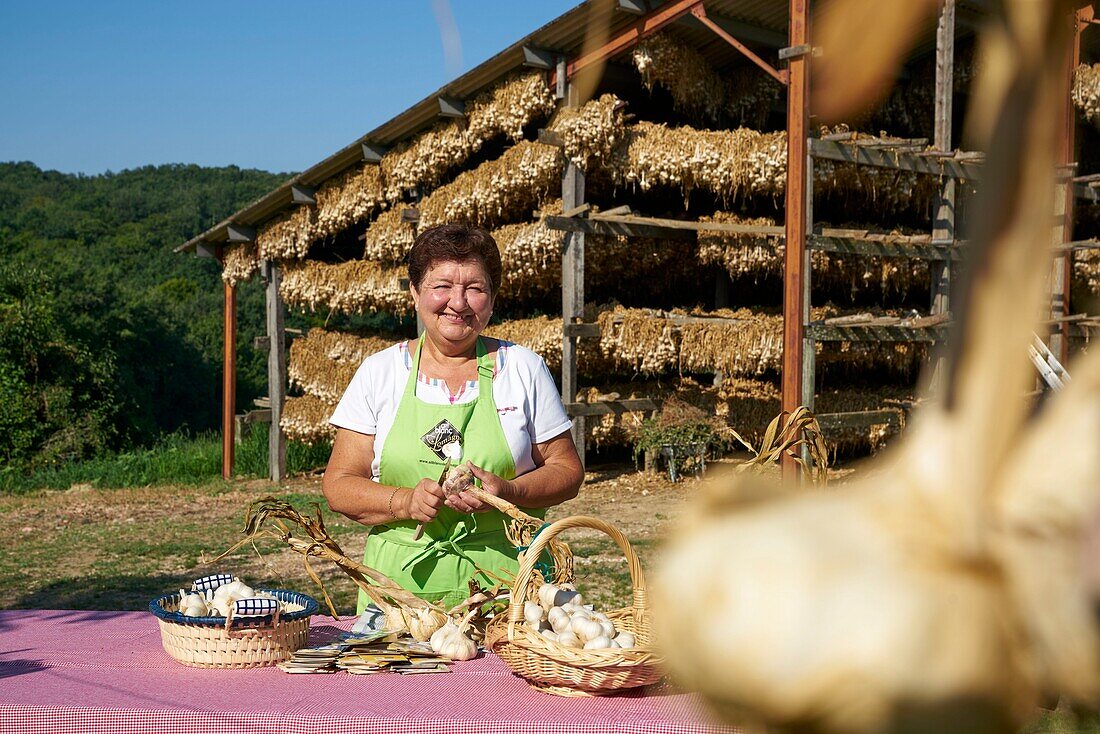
(404, 403)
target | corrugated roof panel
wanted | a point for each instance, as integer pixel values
(564, 34)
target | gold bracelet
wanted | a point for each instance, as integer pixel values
(389, 504)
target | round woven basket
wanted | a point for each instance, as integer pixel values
(567, 671)
(242, 642)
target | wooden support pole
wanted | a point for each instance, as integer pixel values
(1062, 268)
(809, 353)
(572, 288)
(794, 292)
(943, 226)
(229, 378)
(276, 372)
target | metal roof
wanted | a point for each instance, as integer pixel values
(760, 23)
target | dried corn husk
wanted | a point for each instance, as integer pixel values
(323, 362)
(240, 263)
(305, 419)
(1086, 91)
(356, 286)
(504, 110)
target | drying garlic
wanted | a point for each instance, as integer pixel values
(423, 623)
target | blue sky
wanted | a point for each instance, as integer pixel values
(107, 85)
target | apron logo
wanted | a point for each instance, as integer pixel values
(442, 434)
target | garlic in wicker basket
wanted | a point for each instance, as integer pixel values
(215, 596)
(560, 615)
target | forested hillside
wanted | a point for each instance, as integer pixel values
(108, 339)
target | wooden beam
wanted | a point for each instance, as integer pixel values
(898, 161)
(581, 330)
(206, 249)
(262, 415)
(373, 152)
(634, 7)
(451, 107)
(700, 14)
(795, 275)
(276, 372)
(240, 233)
(609, 227)
(538, 58)
(229, 378)
(646, 26)
(856, 246)
(943, 222)
(741, 30)
(859, 419)
(876, 333)
(300, 194)
(572, 286)
(608, 407)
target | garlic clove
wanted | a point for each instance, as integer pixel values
(546, 595)
(558, 619)
(532, 612)
(599, 642)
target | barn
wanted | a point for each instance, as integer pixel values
(674, 223)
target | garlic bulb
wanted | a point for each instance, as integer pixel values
(625, 639)
(608, 628)
(550, 635)
(451, 641)
(554, 596)
(598, 643)
(568, 639)
(558, 619)
(585, 629)
(532, 612)
(424, 622)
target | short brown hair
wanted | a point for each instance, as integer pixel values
(454, 243)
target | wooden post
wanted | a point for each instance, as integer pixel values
(794, 290)
(809, 351)
(1061, 274)
(276, 372)
(572, 287)
(229, 377)
(943, 226)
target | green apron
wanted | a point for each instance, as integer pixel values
(454, 545)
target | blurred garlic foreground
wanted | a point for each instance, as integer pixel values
(948, 591)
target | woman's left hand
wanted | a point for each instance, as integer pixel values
(466, 501)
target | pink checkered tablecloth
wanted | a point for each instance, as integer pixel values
(86, 672)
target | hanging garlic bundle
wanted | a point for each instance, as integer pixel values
(1086, 91)
(240, 263)
(451, 641)
(305, 419)
(322, 363)
(355, 286)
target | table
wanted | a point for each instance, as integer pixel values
(73, 671)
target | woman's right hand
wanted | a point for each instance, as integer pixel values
(424, 501)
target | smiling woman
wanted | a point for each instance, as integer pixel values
(408, 404)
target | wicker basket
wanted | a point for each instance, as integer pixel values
(244, 642)
(567, 671)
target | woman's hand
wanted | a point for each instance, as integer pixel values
(423, 501)
(497, 486)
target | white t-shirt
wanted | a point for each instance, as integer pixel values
(526, 397)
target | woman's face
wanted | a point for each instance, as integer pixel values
(454, 300)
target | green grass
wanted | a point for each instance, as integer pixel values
(176, 459)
